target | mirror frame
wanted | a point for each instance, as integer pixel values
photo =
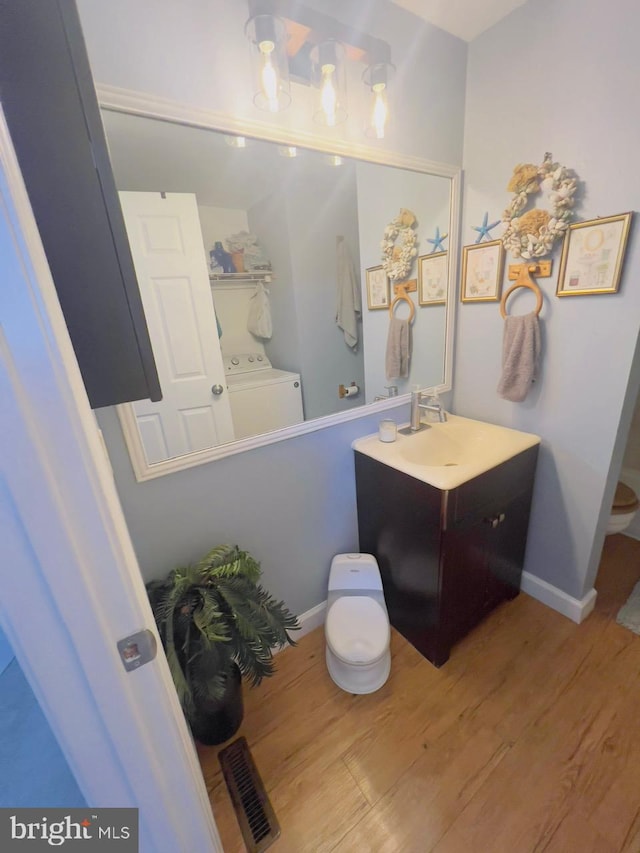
(148, 106)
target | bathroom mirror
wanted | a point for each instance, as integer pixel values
(311, 212)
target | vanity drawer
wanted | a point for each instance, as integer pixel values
(493, 490)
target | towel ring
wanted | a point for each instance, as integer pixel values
(402, 297)
(524, 280)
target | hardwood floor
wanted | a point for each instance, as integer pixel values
(528, 739)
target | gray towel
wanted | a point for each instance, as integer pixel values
(520, 356)
(348, 307)
(398, 353)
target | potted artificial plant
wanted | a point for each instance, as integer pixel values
(217, 623)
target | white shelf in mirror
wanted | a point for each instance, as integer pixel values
(265, 276)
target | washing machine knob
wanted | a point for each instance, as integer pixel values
(259, 358)
(251, 358)
(235, 361)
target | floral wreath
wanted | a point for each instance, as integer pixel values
(398, 259)
(533, 234)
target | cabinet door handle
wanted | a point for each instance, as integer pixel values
(495, 520)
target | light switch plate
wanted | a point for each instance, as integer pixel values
(137, 649)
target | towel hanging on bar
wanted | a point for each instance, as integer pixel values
(398, 354)
(348, 299)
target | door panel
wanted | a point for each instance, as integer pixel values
(153, 438)
(198, 425)
(170, 261)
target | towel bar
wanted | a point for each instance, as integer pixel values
(524, 280)
(403, 297)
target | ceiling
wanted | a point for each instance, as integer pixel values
(463, 18)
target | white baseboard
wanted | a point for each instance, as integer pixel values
(312, 619)
(309, 621)
(575, 609)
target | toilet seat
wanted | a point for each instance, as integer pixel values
(357, 629)
(625, 500)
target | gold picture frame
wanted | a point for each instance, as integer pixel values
(378, 289)
(482, 265)
(593, 255)
(433, 276)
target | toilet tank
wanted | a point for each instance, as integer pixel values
(354, 571)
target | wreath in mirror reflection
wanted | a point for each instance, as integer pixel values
(399, 245)
(532, 234)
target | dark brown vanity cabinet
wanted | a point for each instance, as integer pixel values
(447, 558)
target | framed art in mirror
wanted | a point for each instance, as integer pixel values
(433, 278)
(377, 288)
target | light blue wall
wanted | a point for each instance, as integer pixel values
(268, 219)
(6, 652)
(33, 770)
(322, 207)
(560, 77)
(292, 504)
(298, 225)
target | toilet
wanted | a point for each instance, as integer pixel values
(625, 505)
(357, 629)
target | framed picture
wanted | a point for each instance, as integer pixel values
(377, 289)
(592, 256)
(432, 279)
(482, 272)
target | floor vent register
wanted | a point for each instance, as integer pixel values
(255, 814)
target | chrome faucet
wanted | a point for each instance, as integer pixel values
(392, 392)
(417, 405)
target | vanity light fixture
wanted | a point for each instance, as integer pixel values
(288, 151)
(268, 37)
(329, 77)
(334, 160)
(289, 38)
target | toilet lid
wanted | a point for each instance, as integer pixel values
(357, 629)
(625, 499)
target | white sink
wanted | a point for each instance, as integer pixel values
(447, 455)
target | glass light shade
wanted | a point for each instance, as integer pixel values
(270, 68)
(377, 77)
(329, 77)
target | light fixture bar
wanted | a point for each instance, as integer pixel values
(321, 61)
(325, 27)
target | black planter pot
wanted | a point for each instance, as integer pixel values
(215, 722)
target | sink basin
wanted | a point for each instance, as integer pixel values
(438, 447)
(449, 454)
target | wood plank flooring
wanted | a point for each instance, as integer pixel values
(528, 739)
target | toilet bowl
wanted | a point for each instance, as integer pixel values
(357, 629)
(625, 505)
